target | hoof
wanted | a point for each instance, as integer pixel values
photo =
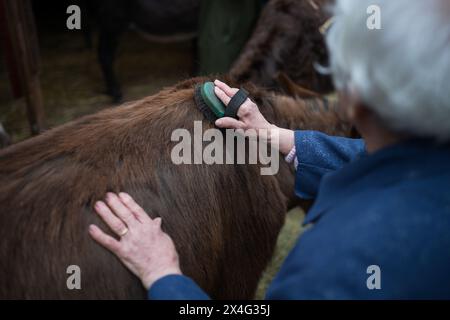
(117, 98)
(116, 95)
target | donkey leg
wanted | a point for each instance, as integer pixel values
(108, 43)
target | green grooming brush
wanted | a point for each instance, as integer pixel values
(212, 107)
(207, 101)
(210, 98)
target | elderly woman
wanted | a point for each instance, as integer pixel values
(381, 219)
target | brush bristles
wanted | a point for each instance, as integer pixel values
(202, 106)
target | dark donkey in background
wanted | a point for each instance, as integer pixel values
(286, 38)
(224, 219)
(157, 20)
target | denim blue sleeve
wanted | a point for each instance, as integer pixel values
(318, 154)
(176, 287)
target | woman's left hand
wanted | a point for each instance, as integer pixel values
(143, 247)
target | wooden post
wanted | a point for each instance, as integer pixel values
(23, 39)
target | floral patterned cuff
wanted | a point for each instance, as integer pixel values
(292, 157)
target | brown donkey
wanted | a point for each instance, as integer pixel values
(224, 219)
(287, 38)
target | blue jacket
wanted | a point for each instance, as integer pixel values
(380, 225)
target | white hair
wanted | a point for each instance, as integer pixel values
(401, 71)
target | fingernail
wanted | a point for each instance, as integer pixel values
(218, 122)
(124, 195)
(98, 204)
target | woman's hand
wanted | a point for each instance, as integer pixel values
(251, 118)
(249, 115)
(143, 248)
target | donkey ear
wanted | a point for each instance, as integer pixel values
(293, 89)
